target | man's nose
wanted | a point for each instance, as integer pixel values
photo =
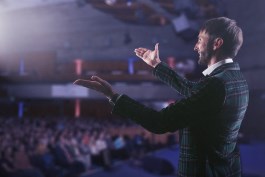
(195, 47)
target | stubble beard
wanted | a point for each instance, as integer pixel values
(205, 56)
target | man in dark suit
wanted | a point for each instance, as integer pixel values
(210, 114)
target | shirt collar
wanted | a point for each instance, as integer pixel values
(210, 69)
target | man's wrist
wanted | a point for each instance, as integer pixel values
(155, 64)
(114, 98)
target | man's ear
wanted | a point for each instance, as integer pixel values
(218, 42)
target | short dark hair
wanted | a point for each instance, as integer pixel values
(228, 30)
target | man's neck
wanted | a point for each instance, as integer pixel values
(213, 61)
(216, 58)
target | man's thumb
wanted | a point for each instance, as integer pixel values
(156, 47)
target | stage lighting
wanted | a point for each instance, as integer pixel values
(110, 2)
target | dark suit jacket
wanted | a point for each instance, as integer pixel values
(208, 118)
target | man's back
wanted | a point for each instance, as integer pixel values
(211, 144)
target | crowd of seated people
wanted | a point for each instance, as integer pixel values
(64, 147)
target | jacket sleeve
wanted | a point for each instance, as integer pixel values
(175, 81)
(189, 111)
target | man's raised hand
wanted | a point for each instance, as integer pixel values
(148, 56)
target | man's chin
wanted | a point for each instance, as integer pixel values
(202, 62)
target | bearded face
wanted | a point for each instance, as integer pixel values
(204, 47)
(206, 54)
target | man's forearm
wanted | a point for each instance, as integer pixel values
(172, 79)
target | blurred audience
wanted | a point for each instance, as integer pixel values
(66, 147)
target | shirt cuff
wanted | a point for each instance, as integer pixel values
(114, 99)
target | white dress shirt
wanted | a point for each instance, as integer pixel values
(210, 69)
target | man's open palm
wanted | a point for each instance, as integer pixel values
(151, 57)
(97, 84)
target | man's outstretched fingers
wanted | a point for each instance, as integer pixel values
(78, 82)
(101, 81)
(83, 83)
